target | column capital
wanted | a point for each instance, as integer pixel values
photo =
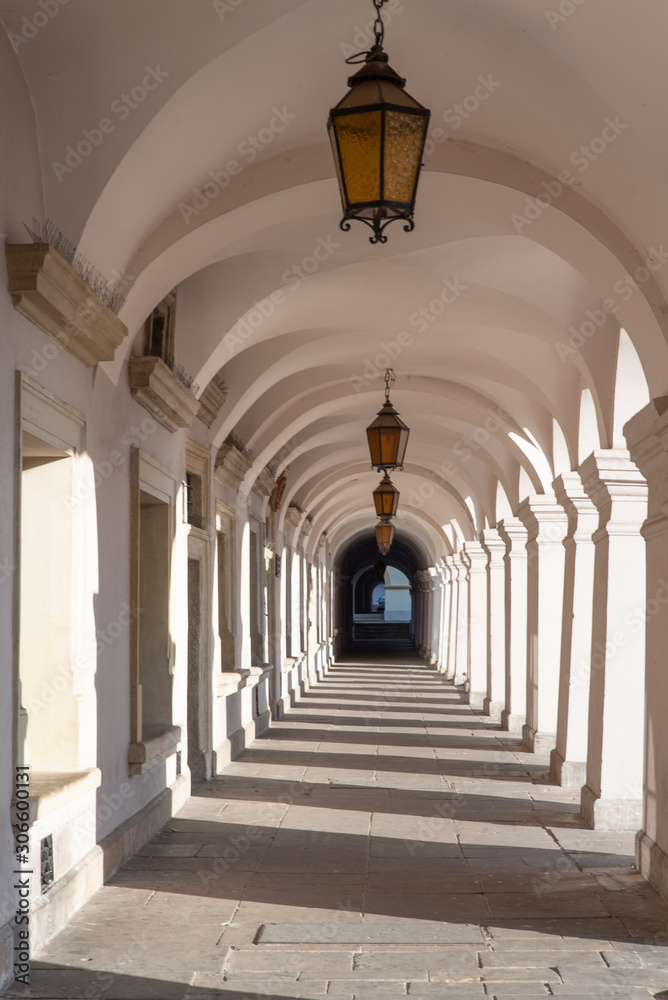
(544, 518)
(647, 437)
(494, 546)
(477, 557)
(514, 534)
(617, 488)
(581, 511)
(461, 565)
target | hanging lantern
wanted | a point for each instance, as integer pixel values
(378, 133)
(386, 497)
(380, 568)
(387, 435)
(384, 535)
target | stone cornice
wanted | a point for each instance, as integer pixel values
(581, 512)
(232, 465)
(545, 520)
(514, 534)
(210, 404)
(159, 391)
(293, 516)
(494, 546)
(477, 557)
(48, 292)
(617, 488)
(264, 484)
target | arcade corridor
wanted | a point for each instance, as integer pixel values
(382, 840)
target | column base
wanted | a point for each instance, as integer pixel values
(512, 723)
(538, 742)
(610, 814)
(652, 863)
(477, 700)
(493, 709)
(567, 773)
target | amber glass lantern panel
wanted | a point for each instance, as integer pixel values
(384, 536)
(404, 140)
(386, 498)
(388, 439)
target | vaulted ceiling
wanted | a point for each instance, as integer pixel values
(183, 144)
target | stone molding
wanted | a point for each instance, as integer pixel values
(155, 386)
(211, 403)
(494, 546)
(155, 747)
(476, 556)
(48, 292)
(618, 489)
(232, 465)
(544, 518)
(581, 511)
(264, 485)
(514, 535)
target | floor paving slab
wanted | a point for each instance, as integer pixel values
(382, 840)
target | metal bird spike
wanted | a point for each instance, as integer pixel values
(48, 232)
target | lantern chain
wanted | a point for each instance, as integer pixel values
(390, 378)
(379, 37)
(379, 26)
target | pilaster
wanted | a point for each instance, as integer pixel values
(476, 556)
(546, 523)
(647, 437)
(463, 635)
(514, 534)
(569, 758)
(612, 796)
(495, 547)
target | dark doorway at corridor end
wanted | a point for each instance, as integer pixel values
(377, 602)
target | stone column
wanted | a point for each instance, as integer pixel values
(647, 436)
(612, 796)
(477, 624)
(495, 697)
(435, 598)
(463, 649)
(444, 618)
(453, 626)
(546, 523)
(569, 758)
(514, 534)
(424, 611)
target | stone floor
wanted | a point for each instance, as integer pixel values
(382, 841)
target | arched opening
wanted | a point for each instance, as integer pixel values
(375, 599)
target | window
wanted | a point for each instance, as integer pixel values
(225, 539)
(52, 654)
(159, 330)
(154, 496)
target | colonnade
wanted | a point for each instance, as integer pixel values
(541, 621)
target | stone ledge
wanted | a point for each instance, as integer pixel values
(49, 792)
(155, 386)
(158, 744)
(231, 681)
(48, 292)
